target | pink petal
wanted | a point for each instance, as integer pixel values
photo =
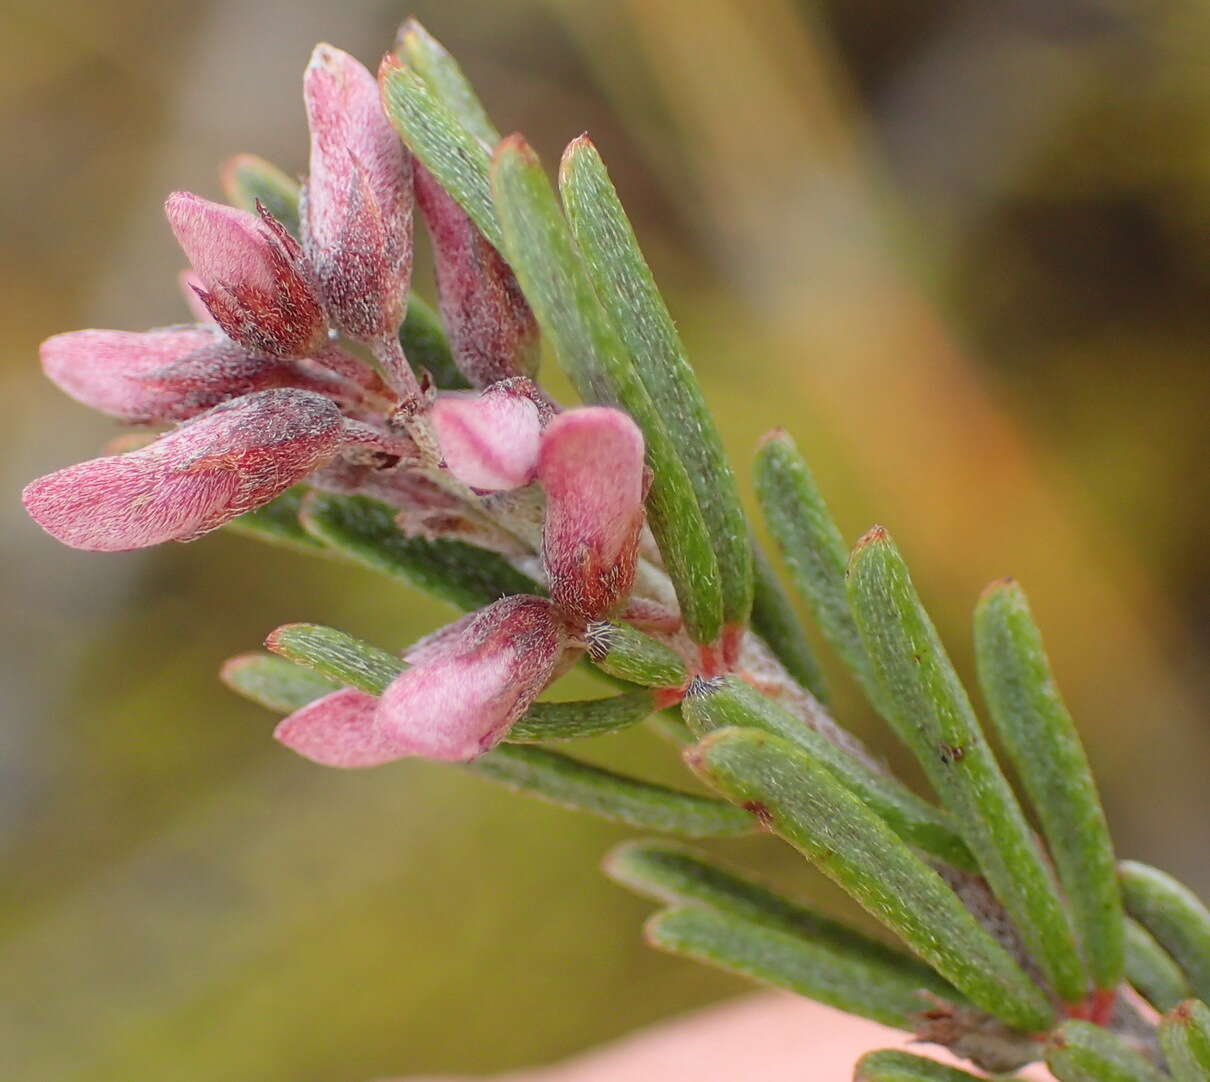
(358, 198)
(168, 374)
(470, 688)
(591, 467)
(238, 456)
(337, 730)
(255, 284)
(492, 332)
(489, 441)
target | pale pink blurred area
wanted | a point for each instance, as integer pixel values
(773, 1037)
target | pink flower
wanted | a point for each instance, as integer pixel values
(238, 456)
(358, 199)
(591, 467)
(490, 440)
(492, 332)
(256, 284)
(168, 374)
(468, 684)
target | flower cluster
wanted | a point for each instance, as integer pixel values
(271, 388)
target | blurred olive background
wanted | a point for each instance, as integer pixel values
(961, 249)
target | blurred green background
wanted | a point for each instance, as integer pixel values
(960, 249)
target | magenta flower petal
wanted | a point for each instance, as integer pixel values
(168, 374)
(358, 220)
(591, 466)
(472, 685)
(256, 284)
(337, 730)
(238, 456)
(492, 332)
(489, 441)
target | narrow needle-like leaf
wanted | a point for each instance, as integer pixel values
(1040, 737)
(592, 717)
(336, 655)
(729, 702)
(1081, 1052)
(625, 653)
(364, 531)
(783, 960)
(813, 549)
(426, 347)
(891, 1065)
(278, 523)
(1173, 914)
(1185, 1039)
(580, 786)
(540, 250)
(803, 802)
(1152, 971)
(441, 71)
(274, 682)
(774, 620)
(456, 158)
(677, 876)
(248, 179)
(929, 709)
(625, 285)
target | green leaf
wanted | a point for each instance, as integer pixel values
(570, 783)
(364, 531)
(929, 709)
(774, 620)
(625, 653)
(552, 276)
(336, 655)
(456, 158)
(429, 59)
(1185, 1039)
(893, 1066)
(573, 720)
(1151, 970)
(278, 523)
(804, 803)
(247, 178)
(625, 286)
(274, 682)
(1174, 915)
(677, 876)
(1081, 1052)
(1041, 739)
(777, 958)
(729, 702)
(813, 549)
(426, 347)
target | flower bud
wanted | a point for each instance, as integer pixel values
(492, 331)
(489, 441)
(236, 457)
(256, 284)
(358, 201)
(337, 729)
(168, 374)
(591, 467)
(471, 685)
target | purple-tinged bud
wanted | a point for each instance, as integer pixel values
(492, 331)
(337, 730)
(168, 374)
(232, 459)
(591, 467)
(358, 200)
(489, 441)
(257, 285)
(471, 685)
